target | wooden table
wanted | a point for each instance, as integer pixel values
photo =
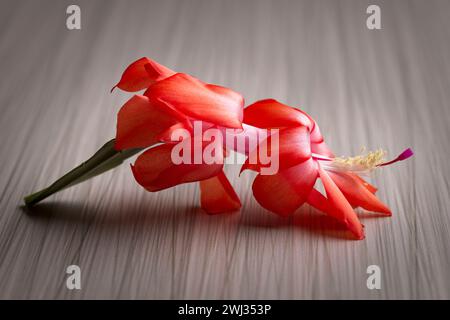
(385, 88)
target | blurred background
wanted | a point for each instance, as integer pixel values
(384, 88)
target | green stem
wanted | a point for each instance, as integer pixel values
(106, 158)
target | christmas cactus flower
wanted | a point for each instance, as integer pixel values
(184, 128)
(304, 157)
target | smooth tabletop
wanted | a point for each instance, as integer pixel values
(387, 88)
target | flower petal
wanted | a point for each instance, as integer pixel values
(270, 113)
(166, 135)
(316, 135)
(292, 148)
(141, 74)
(319, 201)
(321, 148)
(155, 170)
(218, 105)
(368, 186)
(341, 209)
(357, 193)
(243, 141)
(287, 190)
(140, 121)
(217, 195)
(318, 144)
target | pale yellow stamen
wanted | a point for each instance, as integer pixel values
(360, 163)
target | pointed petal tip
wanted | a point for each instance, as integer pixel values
(141, 74)
(388, 214)
(358, 233)
(360, 237)
(382, 208)
(218, 196)
(386, 210)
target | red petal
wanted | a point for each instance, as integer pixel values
(200, 101)
(141, 74)
(217, 195)
(155, 170)
(318, 144)
(166, 135)
(322, 149)
(293, 147)
(341, 209)
(243, 141)
(316, 135)
(140, 121)
(368, 186)
(273, 114)
(357, 194)
(270, 113)
(157, 72)
(287, 190)
(319, 201)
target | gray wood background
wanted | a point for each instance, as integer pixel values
(388, 88)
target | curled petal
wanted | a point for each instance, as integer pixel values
(155, 169)
(357, 193)
(217, 195)
(270, 113)
(318, 144)
(321, 148)
(316, 135)
(243, 141)
(141, 74)
(287, 190)
(140, 121)
(291, 148)
(217, 105)
(340, 208)
(157, 72)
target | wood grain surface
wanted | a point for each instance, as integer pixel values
(385, 88)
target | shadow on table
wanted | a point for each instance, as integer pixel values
(306, 218)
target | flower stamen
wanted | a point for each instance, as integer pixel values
(366, 162)
(363, 163)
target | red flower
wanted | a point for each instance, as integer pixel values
(174, 100)
(177, 102)
(303, 158)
